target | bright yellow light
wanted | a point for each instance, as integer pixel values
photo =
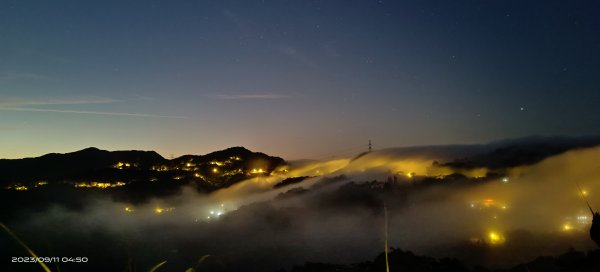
(215, 170)
(495, 238)
(584, 192)
(159, 210)
(129, 209)
(488, 200)
(567, 227)
(102, 185)
(409, 175)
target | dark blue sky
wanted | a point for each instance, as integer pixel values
(293, 78)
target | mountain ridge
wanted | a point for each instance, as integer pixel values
(93, 164)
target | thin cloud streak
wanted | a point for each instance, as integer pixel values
(21, 102)
(251, 96)
(93, 112)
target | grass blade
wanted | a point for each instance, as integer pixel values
(156, 267)
(387, 264)
(11, 234)
(200, 261)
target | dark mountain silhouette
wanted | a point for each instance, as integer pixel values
(523, 151)
(225, 167)
(57, 167)
(217, 169)
(236, 157)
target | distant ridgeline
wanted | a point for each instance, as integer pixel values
(523, 151)
(139, 172)
(97, 168)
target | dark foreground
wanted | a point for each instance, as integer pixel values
(406, 261)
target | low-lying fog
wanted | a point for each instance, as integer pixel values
(526, 212)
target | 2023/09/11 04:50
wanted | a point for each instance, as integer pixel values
(49, 259)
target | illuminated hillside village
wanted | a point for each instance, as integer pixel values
(215, 170)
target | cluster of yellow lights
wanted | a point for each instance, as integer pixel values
(257, 171)
(19, 187)
(101, 185)
(216, 213)
(121, 165)
(233, 172)
(160, 168)
(189, 166)
(129, 209)
(583, 219)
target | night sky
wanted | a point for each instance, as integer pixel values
(298, 79)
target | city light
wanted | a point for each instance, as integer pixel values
(101, 185)
(159, 210)
(495, 238)
(21, 188)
